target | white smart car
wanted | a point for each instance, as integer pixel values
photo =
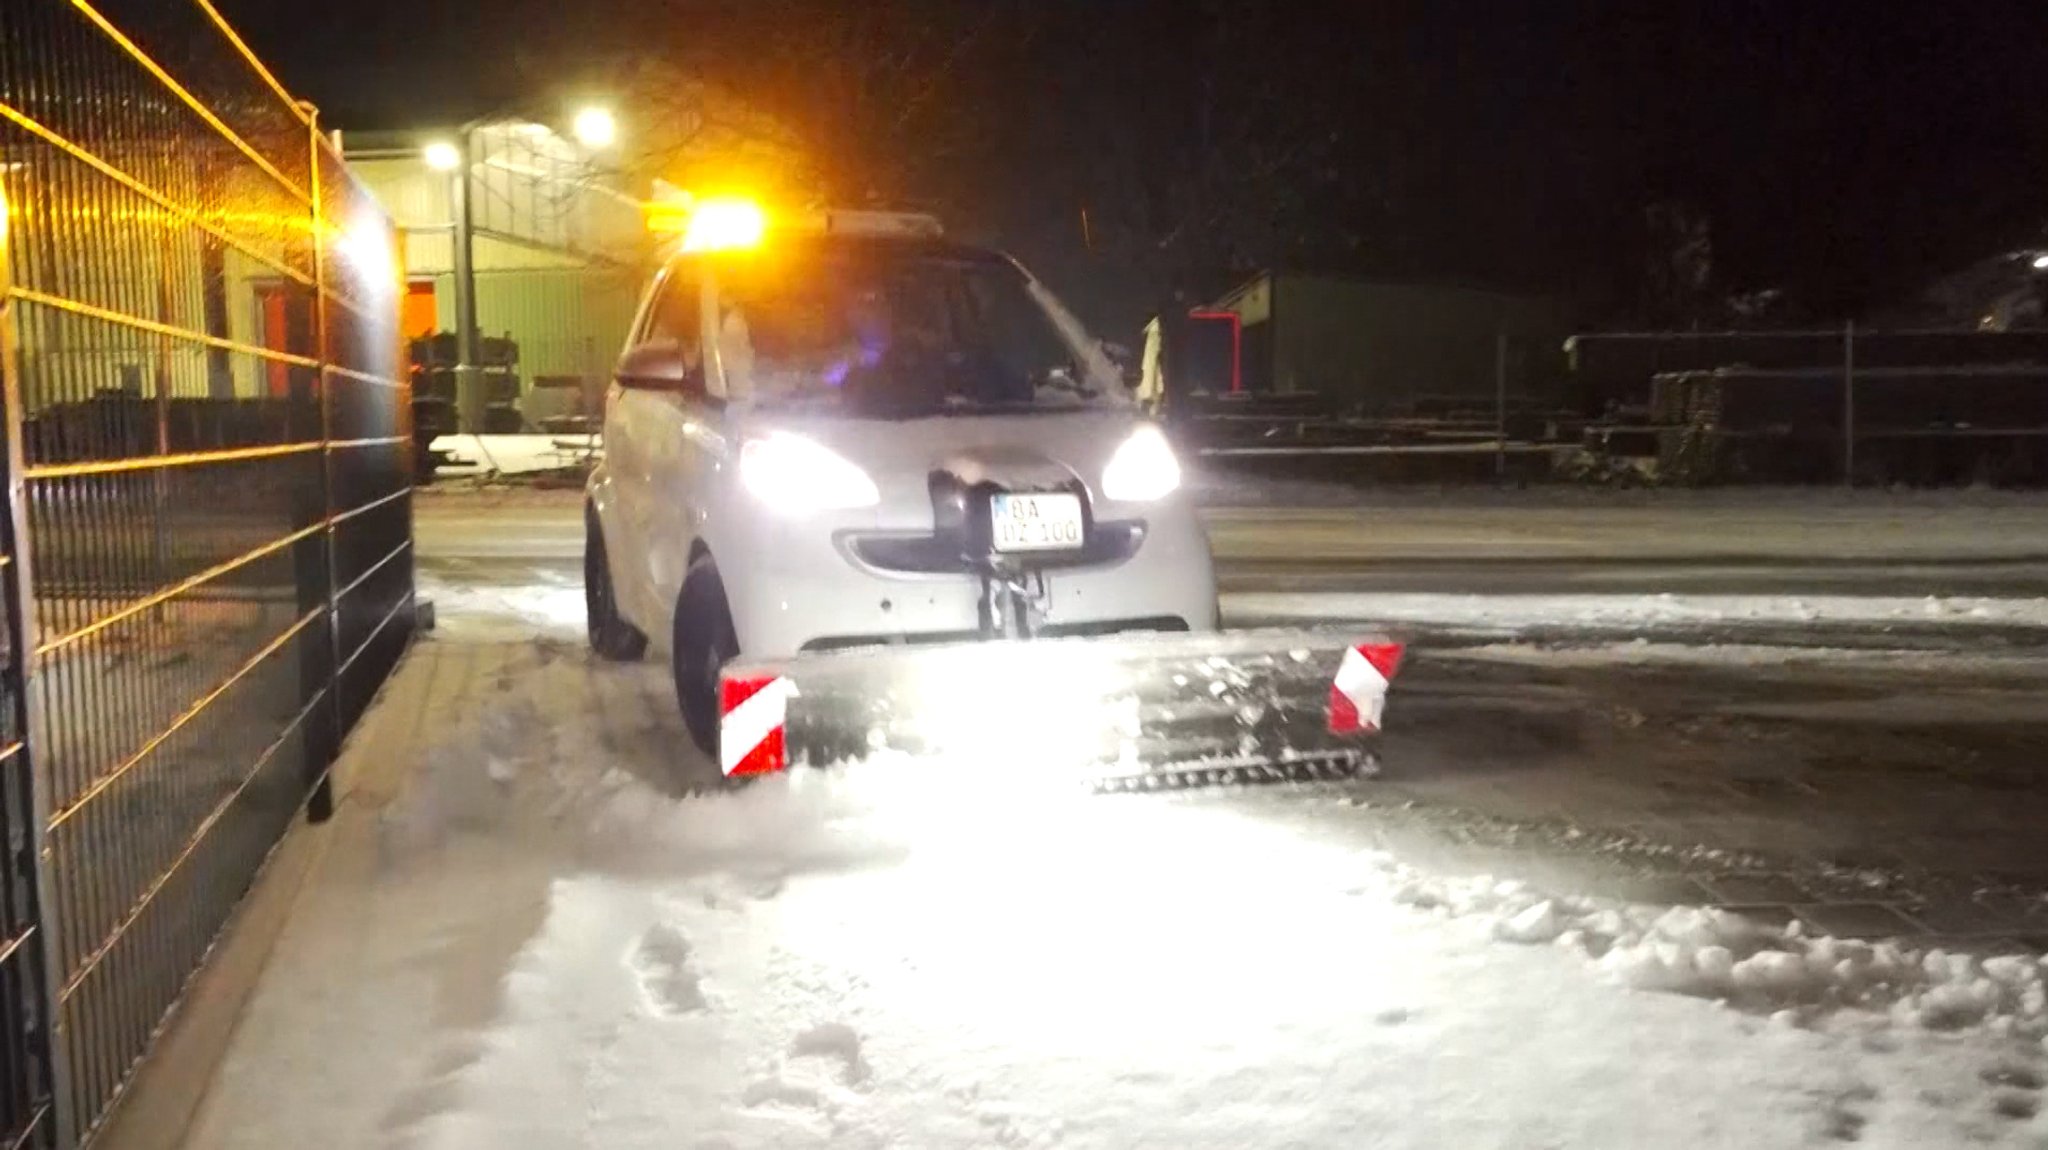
(850, 431)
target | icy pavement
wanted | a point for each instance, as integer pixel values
(1479, 524)
(1564, 540)
(530, 930)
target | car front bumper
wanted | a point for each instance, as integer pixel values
(811, 590)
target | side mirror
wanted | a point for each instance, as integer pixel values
(659, 365)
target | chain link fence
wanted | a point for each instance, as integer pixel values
(206, 558)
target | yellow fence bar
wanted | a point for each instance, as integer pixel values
(180, 459)
(372, 505)
(404, 601)
(379, 565)
(233, 37)
(99, 785)
(362, 376)
(137, 607)
(91, 311)
(50, 136)
(376, 441)
(191, 101)
(8, 948)
(91, 961)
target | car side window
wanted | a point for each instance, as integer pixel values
(677, 317)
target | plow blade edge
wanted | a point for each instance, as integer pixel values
(1115, 713)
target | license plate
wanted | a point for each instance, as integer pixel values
(1036, 522)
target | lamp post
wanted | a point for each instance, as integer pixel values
(456, 158)
(595, 129)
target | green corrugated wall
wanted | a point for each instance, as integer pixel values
(1382, 347)
(567, 321)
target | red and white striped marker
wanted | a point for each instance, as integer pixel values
(1358, 696)
(753, 712)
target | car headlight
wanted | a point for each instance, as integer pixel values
(1143, 469)
(795, 474)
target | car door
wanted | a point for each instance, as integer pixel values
(649, 452)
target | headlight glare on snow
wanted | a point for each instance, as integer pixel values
(794, 474)
(1143, 469)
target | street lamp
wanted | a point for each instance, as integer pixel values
(442, 156)
(595, 128)
(455, 158)
(2041, 263)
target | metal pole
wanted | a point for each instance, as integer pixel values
(469, 390)
(160, 483)
(1849, 404)
(47, 1042)
(324, 741)
(1500, 405)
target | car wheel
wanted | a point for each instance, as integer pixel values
(610, 636)
(704, 644)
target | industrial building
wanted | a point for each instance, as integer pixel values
(557, 255)
(1390, 348)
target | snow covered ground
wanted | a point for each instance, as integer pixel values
(530, 930)
(1171, 977)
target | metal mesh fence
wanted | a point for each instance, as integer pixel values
(206, 562)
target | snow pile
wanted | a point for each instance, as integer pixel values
(1712, 953)
(1647, 652)
(521, 765)
(1614, 610)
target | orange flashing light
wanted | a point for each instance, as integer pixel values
(725, 225)
(711, 225)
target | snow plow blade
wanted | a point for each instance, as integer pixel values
(1111, 714)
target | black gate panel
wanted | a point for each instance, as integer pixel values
(206, 558)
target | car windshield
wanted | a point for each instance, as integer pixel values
(894, 330)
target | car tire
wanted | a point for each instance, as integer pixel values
(704, 643)
(611, 636)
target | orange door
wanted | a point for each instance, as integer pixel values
(419, 318)
(277, 337)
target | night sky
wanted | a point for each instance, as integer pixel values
(1845, 152)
